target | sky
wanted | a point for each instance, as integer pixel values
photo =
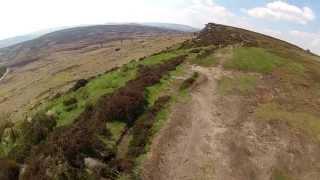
(296, 21)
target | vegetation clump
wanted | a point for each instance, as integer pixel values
(142, 129)
(190, 81)
(9, 170)
(79, 84)
(70, 101)
(2, 70)
(29, 134)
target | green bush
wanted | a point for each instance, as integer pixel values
(30, 134)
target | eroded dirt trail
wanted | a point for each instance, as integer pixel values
(216, 137)
(193, 146)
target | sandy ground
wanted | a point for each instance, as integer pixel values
(213, 137)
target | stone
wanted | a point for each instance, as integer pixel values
(50, 113)
(93, 164)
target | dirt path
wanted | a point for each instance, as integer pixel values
(192, 148)
(5, 74)
(213, 137)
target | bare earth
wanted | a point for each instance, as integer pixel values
(212, 137)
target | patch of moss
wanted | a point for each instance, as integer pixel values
(279, 175)
(254, 60)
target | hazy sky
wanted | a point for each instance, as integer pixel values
(294, 20)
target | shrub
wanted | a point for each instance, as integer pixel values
(190, 81)
(71, 107)
(9, 170)
(70, 101)
(79, 84)
(39, 128)
(32, 133)
(142, 129)
(4, 124)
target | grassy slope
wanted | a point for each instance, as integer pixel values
(66, 113)
(254, 60)
(243, 84)
(295, 79)
(291, 80)
(104, 84)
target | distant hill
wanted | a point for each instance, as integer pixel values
(75, 39)
(15, 40)
(179, 27)
(19, 39)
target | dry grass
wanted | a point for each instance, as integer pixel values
(304, 121)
